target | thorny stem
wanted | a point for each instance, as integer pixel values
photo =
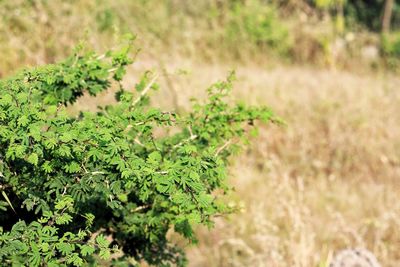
(147, 88)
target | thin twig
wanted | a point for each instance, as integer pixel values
(219, 150)
(113, 69)
(130, 126)
(192, 137)
(162, 172)
(64, 191)
(101, 57)
(190, 131)
(137, 141)
(83, 166)
(141, 208)
(147, 88)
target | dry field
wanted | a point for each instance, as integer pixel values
(328, 180)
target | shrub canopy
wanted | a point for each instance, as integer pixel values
(77, 190)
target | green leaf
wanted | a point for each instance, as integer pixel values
(105, 254)
(102, 241)
(66, 201)
(63, 219)
(34, 259)
(65, 248)
(33, 159)
(23, 120)
(87, 250)
(74, 259)
(123, 197)
(6, 100)
(194, 176)
(47, 167)
(154, 157)
(73, 167)
(44, 247)
(66, 137)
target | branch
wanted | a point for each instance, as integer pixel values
(219, 150)
(192, 137)
(113, 69)
(137, 141)
(141, 208)
(162, 172)
(147, 88)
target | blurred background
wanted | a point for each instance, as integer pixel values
(328, 180)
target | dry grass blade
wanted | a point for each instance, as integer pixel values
(8, 201)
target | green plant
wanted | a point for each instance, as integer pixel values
(257, 24)
(391, 44)
(390, 49)
(81, 190)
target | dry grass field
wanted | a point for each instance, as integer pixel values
(326, 181)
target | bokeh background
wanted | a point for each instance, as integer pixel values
(329, 179)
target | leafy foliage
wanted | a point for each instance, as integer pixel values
(391, 49)
(259, 24)
(80, 189)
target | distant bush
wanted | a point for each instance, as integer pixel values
(391, 44)
(82, 190)
(257, 24)
(390, 47)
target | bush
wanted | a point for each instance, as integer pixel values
(391, 44)
(257, 24)
(390, 49)
(81, 190)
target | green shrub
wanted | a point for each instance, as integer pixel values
(391, 44)
(390, 49)
(257, 24)
(81, 190)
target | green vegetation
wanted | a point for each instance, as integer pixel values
(70, 182)
(391, 49)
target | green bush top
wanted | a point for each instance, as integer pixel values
(79, 190)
